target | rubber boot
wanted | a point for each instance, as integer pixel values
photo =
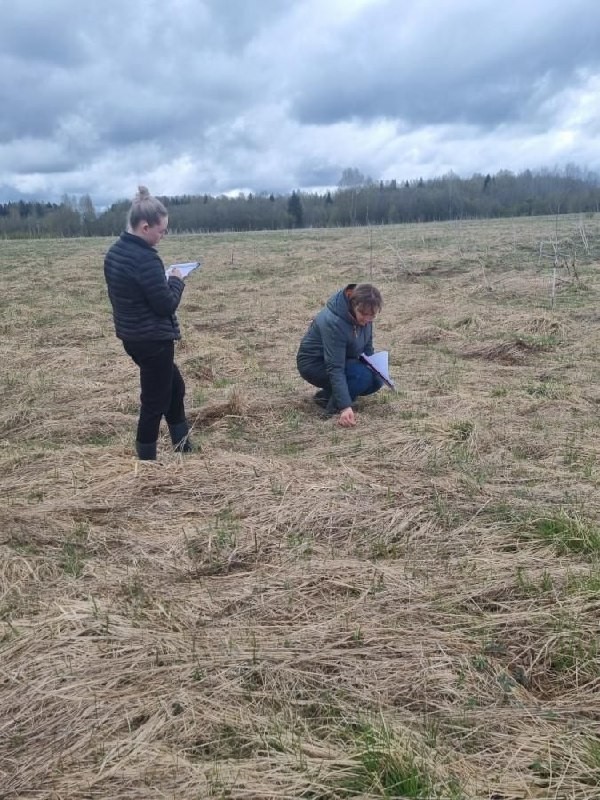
(331, 408)
(146, 451)
(180, 437)
(321, 398)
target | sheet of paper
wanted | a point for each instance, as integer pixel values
(185, 269)
(379, 363)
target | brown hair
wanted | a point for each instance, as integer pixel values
(366, 298)
(145, 208)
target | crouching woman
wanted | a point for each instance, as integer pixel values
(328, 356)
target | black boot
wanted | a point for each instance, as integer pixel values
(180, 437)
(321, 398)
(146, 451)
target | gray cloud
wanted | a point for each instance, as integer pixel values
(44, 33)
(217, 96)
(482, 63)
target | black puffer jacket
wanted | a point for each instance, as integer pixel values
(143, 301)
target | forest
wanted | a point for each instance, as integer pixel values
(357, 200)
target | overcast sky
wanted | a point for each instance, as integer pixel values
(215, 96)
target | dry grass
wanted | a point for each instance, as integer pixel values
(406, 609)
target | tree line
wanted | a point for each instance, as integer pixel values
(357, 200)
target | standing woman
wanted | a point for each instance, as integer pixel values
(144, 304)
(328, 356)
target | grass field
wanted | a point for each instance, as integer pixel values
(408, 608)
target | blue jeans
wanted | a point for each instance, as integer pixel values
(361, 380)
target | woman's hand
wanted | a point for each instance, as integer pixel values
(176, 273)
(347, 418)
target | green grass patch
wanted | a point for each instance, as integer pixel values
(385, 767)
(568, 532)
(584, 584)
(548, 390)
(74, 551)
(538, 341)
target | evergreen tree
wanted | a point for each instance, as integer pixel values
(295, 210)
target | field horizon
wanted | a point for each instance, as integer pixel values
(408, 608)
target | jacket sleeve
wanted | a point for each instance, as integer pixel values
(162, 296)
(334, 353)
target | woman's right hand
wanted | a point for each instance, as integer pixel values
(347, 418)
(176, 273)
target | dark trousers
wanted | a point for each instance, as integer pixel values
(162, 387)
(361, 380)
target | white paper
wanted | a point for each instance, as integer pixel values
(379, 364)
(185, 269)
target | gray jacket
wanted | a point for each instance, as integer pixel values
(333, 338)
